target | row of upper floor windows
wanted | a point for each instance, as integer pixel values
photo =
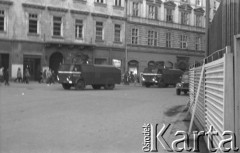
(57, 28)
(154, 12)
(152, 39)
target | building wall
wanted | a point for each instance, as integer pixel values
(143, 52)
(19, 42)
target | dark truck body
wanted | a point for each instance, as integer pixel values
(85, 74)
(161, 77)
(183, 86)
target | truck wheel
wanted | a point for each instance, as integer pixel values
(109, 86)
(66, 86)
(185, 92)
(96, 87)
(80, 85)
(178, 91)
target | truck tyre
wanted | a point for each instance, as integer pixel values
(96, 87)
(80, 85)
(178, 91)
(109, 86)
(185, 92)
(66, 86)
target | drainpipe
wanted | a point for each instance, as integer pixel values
(126, 50)
(207, 27)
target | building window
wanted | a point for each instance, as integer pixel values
(99, 1)
(198, 2)
(135, 9)
(198, 20)
(2, 20)
(169, 15)
(33, 23)
(117, 33)
(99, 31)
(185, 18)
(168, 40)
(118, 2)
(100, 61)
(78, 29)
(151, 12)
(152, 38)
(134, 36)
(183, 41)
(198, 43)
(57, 26)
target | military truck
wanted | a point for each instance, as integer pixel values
(80, 75)
(160, 77)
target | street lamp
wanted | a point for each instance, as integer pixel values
(126, 50)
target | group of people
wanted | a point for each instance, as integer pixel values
(4, 75)
(47, 76)
(130, 78)
(25, 78)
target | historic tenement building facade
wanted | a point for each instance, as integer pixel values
(168, 33)
(45, 33)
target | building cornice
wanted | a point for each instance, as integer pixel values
(170, 4)
(79, 12)
(57, 9)
(118, 18)
(99, 15)
(185, 7)
(6, 2)
(28, 5)
(169, 28)
(199, 10)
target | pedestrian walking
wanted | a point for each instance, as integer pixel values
(19, 75)
(6, 77)
(49, 77)
(1, 74)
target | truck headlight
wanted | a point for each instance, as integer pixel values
(143, 79)
(57, 78)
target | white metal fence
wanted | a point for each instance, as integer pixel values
(215, 105)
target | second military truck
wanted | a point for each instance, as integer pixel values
(80, 75)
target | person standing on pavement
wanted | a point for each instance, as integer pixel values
(27, 75)
(19, 75)
(6, 77)
(1, 74)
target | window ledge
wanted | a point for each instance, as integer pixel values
(100, 4)
(79, 39)
(118, 7)
(97, 40)
(57, 37)
(3, 32)
(117, 42)
(80, 1)
(33, 34)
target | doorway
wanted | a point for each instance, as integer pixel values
(33, 63)
(4, 60)
(55, 60)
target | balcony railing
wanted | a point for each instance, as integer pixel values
(165, 24)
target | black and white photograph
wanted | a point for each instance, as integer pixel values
(119, 76)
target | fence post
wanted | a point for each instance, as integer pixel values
(228, 91)
(237, 86)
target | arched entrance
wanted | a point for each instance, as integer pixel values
(133, 66)
(55, 60)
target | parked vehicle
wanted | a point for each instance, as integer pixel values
(160, 77)
(80, 75)
(183, 86)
